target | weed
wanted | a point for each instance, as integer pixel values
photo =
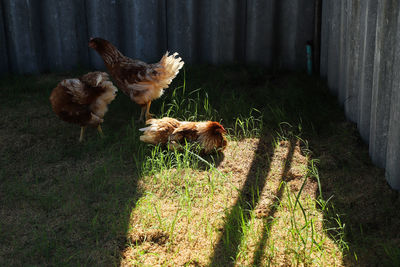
(117, 201)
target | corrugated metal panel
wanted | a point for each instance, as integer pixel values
(52, 35)
(207, 31)
(22, 21)
(63, 34)
(383, 77)
(343, 51)
(137, 28)
(277, 32)
(333, 45)
(221, 30)
(367, 54)
(360, 59)
(182, 25)
(102, 18)
(393, 148)
(260, 41)
(3, 43)
(326, 22)
(352, 68)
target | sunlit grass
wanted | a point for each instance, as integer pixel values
(117, 201)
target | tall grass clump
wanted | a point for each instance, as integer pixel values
(188, 104)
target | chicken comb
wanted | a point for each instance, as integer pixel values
(217, 127)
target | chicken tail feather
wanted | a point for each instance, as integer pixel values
(171, 64)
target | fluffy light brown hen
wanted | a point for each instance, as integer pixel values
(140, 81)
(210, 135)
(83, 100)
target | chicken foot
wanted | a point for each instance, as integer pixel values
(145, 111)
(141, 114)
(82, 132)
(148, 114)
(100, 131)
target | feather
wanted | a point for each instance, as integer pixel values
(140, 81)
(210, 135)
(83, 100)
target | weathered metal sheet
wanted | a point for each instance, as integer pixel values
(102, 21)
(221, 30)
(63, 34)
(52, 35)
(366, 62)
(393, 147)
(361, 58)
(383, 77)
(261, 44)
(182, 28)
(326, 21)
(343, 51)
(3, 44)
(144, 21)
(207, 31)
(22, 25)
(304, 33)
(333, 46)
(277, 33)
(352, 80)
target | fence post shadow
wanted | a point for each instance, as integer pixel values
(225, 254)
(269, 217)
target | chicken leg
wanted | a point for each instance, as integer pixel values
(82, 132)
(145, 112)
(142, 111)
(148, 114)
(100, 131)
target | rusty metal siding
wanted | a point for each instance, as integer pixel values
(361, 61)
(37, 36)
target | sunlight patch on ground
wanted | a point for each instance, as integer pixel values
(181, 221)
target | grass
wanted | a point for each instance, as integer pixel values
(294, 187)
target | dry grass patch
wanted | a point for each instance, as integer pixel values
(294, 187)
(181, 221)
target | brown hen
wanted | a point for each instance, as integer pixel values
(140, 81)
(210, 135)
(83, 100)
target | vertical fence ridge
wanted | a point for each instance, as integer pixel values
(37, 36)
(4, 50)
(368, 36)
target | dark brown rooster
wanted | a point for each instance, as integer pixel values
(210, 135)
(83, 100)
(140, 81)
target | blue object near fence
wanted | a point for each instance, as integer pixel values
(309, 59)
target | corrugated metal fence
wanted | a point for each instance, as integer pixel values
(360, 57)
(47, 35)
(360, 46)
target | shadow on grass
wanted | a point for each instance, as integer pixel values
(63, 202)
(362, 216)
(227, 248)
(270, 216)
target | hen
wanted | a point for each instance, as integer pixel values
(140, 81)
(210, 135)
(83, 100)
